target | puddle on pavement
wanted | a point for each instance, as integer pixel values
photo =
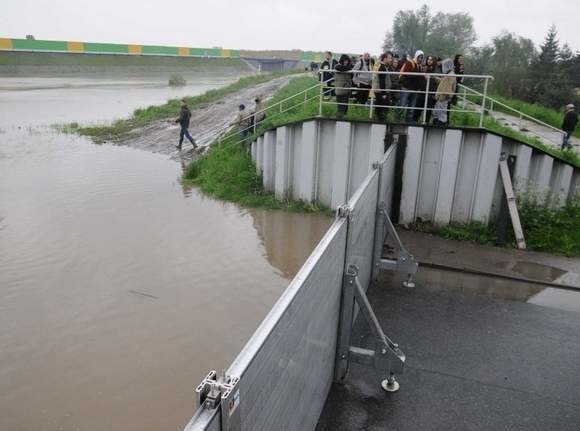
(499, 288)
(532, 270)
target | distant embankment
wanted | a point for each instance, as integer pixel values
(26, 57)
(45, 63)
(39, 57)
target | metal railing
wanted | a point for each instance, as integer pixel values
(466, 98)
(489, 103)
(425, 94)
(279, 107)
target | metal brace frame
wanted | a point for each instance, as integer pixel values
(221, 392)
(386, 355)
(405, 262)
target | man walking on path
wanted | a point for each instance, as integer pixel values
(568, 125)
(183, 120)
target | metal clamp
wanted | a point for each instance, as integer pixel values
(212, 389)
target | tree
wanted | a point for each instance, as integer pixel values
(549, 50)
(510, 63)
(444, 34)
(552, 84)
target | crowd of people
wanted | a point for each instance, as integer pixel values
(405, 87)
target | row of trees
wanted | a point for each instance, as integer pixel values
(548, 75)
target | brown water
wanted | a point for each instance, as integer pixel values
(119, 288)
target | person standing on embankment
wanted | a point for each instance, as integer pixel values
(183, 120)
(568, 125)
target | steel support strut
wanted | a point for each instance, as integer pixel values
(385, 356)
(405, 261)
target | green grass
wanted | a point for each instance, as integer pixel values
(464, 119)
(142, 116)
(543, 113)
(229, 173)
(546, 228)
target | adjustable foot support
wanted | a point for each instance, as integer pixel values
(386, 355)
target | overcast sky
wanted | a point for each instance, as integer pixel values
(338, 25)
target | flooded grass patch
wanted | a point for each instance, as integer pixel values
(229, 173)
(122, 128)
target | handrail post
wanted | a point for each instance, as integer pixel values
(483, 102)
(371, 108)
(320, 101)
(426, 100)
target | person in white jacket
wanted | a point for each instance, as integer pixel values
(363, 78)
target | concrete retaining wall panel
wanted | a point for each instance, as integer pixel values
(253, 150)
(466, 177)
(411, 169)
(295, 155)
(448, 177)
(340, 164)
(540, 173)
(269, 160)
(560, 182)
(305, 163)
(523, 155)
(282, 170)
(575, 185)
(325, 162)
(260, 154)
(487, 177)
(359, 156)
(430, 172)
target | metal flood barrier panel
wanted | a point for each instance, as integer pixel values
(282, 377)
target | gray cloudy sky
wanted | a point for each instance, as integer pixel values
(338, 25)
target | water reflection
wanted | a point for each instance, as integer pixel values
(289, 238)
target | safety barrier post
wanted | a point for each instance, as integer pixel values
(483, 102)
(320, 100)
(426, 100)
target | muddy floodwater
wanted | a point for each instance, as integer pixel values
(119, 287)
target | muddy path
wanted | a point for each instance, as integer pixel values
(207, 120)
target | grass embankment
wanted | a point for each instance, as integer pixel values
(540, 112)
(228, 172)
(543, 113)
(547, 229)
(143, 116)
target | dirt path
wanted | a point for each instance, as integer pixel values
(206, 121)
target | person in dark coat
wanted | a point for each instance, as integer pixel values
(382, 85)
(342, 84)
(411, 85)
(183, 120)
(431, 66)
(568, 125)
(327, 67)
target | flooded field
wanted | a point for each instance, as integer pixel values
(32, 100)
(119, 287)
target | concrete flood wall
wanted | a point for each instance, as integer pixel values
(448, 175)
